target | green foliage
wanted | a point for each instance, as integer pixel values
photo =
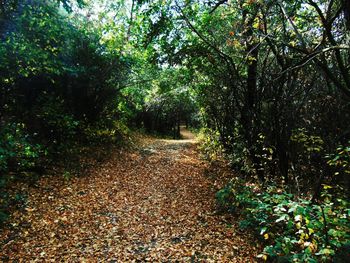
(168, 104)
(54, 116)
(112, 132)
(255, 68)
(269, 79)
(235, 196)
(17, 152)
(309, 143)
(60, 86)
(58, 77)
(340, 160)
(239, 155)
(210, 144)
(67, 176)
(292, 229)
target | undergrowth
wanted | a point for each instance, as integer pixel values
(25, 157)
(291, 228)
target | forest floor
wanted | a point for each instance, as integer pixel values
(154, 203)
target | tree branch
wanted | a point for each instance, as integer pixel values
(224, 56)
(301, 39)
(221, 2)
(328, 29)
(310, 57)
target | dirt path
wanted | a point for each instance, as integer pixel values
(156, 204)
(186, 134)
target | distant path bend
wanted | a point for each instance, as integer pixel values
(186, 134)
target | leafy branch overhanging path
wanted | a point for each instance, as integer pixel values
(155, 204)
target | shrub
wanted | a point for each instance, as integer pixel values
(291, 228)
(210, 144)
(340, 161)
(17, 151)
(17, 154)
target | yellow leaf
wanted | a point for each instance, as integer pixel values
(262, 256)
(256, 23)
(266, 236)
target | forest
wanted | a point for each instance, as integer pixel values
(235, 113)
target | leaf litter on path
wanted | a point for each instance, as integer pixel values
(154, 204)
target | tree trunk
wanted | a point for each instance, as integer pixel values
(346, 11)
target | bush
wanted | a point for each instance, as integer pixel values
(291, 228)
(340, 161)
(210, 144)
(18, 153)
